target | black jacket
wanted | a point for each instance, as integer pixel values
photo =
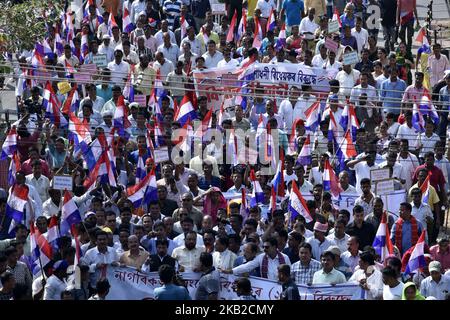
(156, 262)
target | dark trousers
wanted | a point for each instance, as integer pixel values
(408, 30)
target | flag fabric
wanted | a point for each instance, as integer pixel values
(427, 108)
(330, 181)
(345, 150)
(185, 111)
(281, 41)
(422, 36)
(271, 23)
(52, 107)
(70, 214)
(10, 144)
(79, 134)
(418, 122)
(230, 34)
(333, 130)
(304, 157)
(425, 189)
(78, 252)
(121, 122)
(144, 192)
(417, 258)
(84, 44)
(72, 103)
(257, 40)
(140, 169)
(111, 23)
(14, 167)
(41, 250)
(204, 125)
(257, 192)
(242, 25)
(127, 26)
(52, 233)
(48, 51)
(183, 27)
(15, 205)
(349, 121)
(337, 17)
(244, 209)
(312, 117)
(382, 242)
(59, 46)
(297, 204)
(278, 180)
(232, 148)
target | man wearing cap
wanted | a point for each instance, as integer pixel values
(119, 68)
(137, 8)
(319, 242)
(56, 283)
(436, 285)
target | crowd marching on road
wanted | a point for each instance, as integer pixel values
(122, 157)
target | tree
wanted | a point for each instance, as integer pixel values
(22, 24)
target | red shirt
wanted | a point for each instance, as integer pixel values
(27, 168)
(442, 257)
(437, 179)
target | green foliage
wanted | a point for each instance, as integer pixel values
(23, 24)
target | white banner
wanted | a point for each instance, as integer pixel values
(129, 284)
(218, 84)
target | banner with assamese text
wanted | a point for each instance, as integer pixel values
(129, 284)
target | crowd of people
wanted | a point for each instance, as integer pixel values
(208, 215)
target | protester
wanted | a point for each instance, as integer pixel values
(128, 153)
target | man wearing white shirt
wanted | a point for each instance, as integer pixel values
(265, 6)
(307, 26)
(344, 182)
(164, 29)
(339, 237)
(407, 131)
(363, 87)
(99, 257)
(362, 167)
(290, 108)
(196, 45)
(212, 56)
(170, 50)
(369, 277)
(163, 65)
(436, 284)
(106, 48)
(347, 78)
(188, 255)
(361, 34)
(227, 61)
(319, 60)
(421, 211)
(351, 255)
(331, 65)
(56, 283)
(268, 261)
(427, 140)
(409, 162)
(319, 242)
(38, 180)
(223, 259)
(119, 69)
(136, 8)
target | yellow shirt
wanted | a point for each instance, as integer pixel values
(251, 6)
(213, 36)
(433, 198)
